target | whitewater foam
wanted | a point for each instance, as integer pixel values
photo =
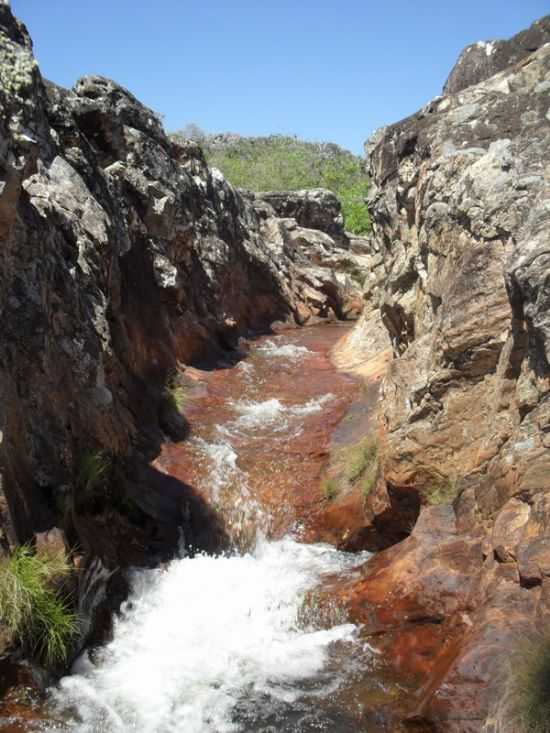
(205, 638)
(223, 461)
(312, 406)
(283, 351)
(272, 413)
(254, 413)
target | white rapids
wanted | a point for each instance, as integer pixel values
(283, 351)
(204, 637)
(273, 414)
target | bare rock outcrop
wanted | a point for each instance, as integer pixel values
(308, 227)
(459, 278)
(317, 208)
(459, 203)
(481, 60)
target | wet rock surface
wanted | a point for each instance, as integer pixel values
(125, 258)
(261, 434)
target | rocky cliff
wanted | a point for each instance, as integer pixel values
(459, 279)
(124, 258)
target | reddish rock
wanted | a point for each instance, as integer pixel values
(51, 542)
(534, 562)
(458, 278)
(444, 618)
(292, 495)
(508, 529)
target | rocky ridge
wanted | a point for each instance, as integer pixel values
(458, 289)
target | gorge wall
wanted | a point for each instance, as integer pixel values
(458, 287)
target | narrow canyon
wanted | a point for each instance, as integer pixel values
(284, 477)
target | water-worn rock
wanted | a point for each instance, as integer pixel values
(459, 278)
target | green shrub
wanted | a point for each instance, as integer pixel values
(32, 611)
(354, 209)
(525, 705)
(284, 163)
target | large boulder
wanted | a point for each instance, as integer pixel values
(316, 208)
(330, 264)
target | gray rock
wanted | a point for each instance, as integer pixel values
(316, 208)
(481, 60)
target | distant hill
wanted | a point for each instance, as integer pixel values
(279, 162)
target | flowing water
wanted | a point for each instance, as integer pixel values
(238, 642)
(216, 644)
(261, 433)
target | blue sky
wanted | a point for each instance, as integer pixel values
(322, 70)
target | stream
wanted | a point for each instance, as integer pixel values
(239, 642)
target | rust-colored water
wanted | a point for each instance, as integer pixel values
(261, 432)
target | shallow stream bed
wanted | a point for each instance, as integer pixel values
(240, 642)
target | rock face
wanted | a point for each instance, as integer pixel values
(307, 226)
(314, 209)
(481, 60)
(123, 258)
(459, 277)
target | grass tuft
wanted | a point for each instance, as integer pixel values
(368, 479)
(525, 705)
(175, 394)
(354, 465)
(32, 611)
(93, 469)
(360, 457)
(330, 488)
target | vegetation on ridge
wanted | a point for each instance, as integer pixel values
(284, 163)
